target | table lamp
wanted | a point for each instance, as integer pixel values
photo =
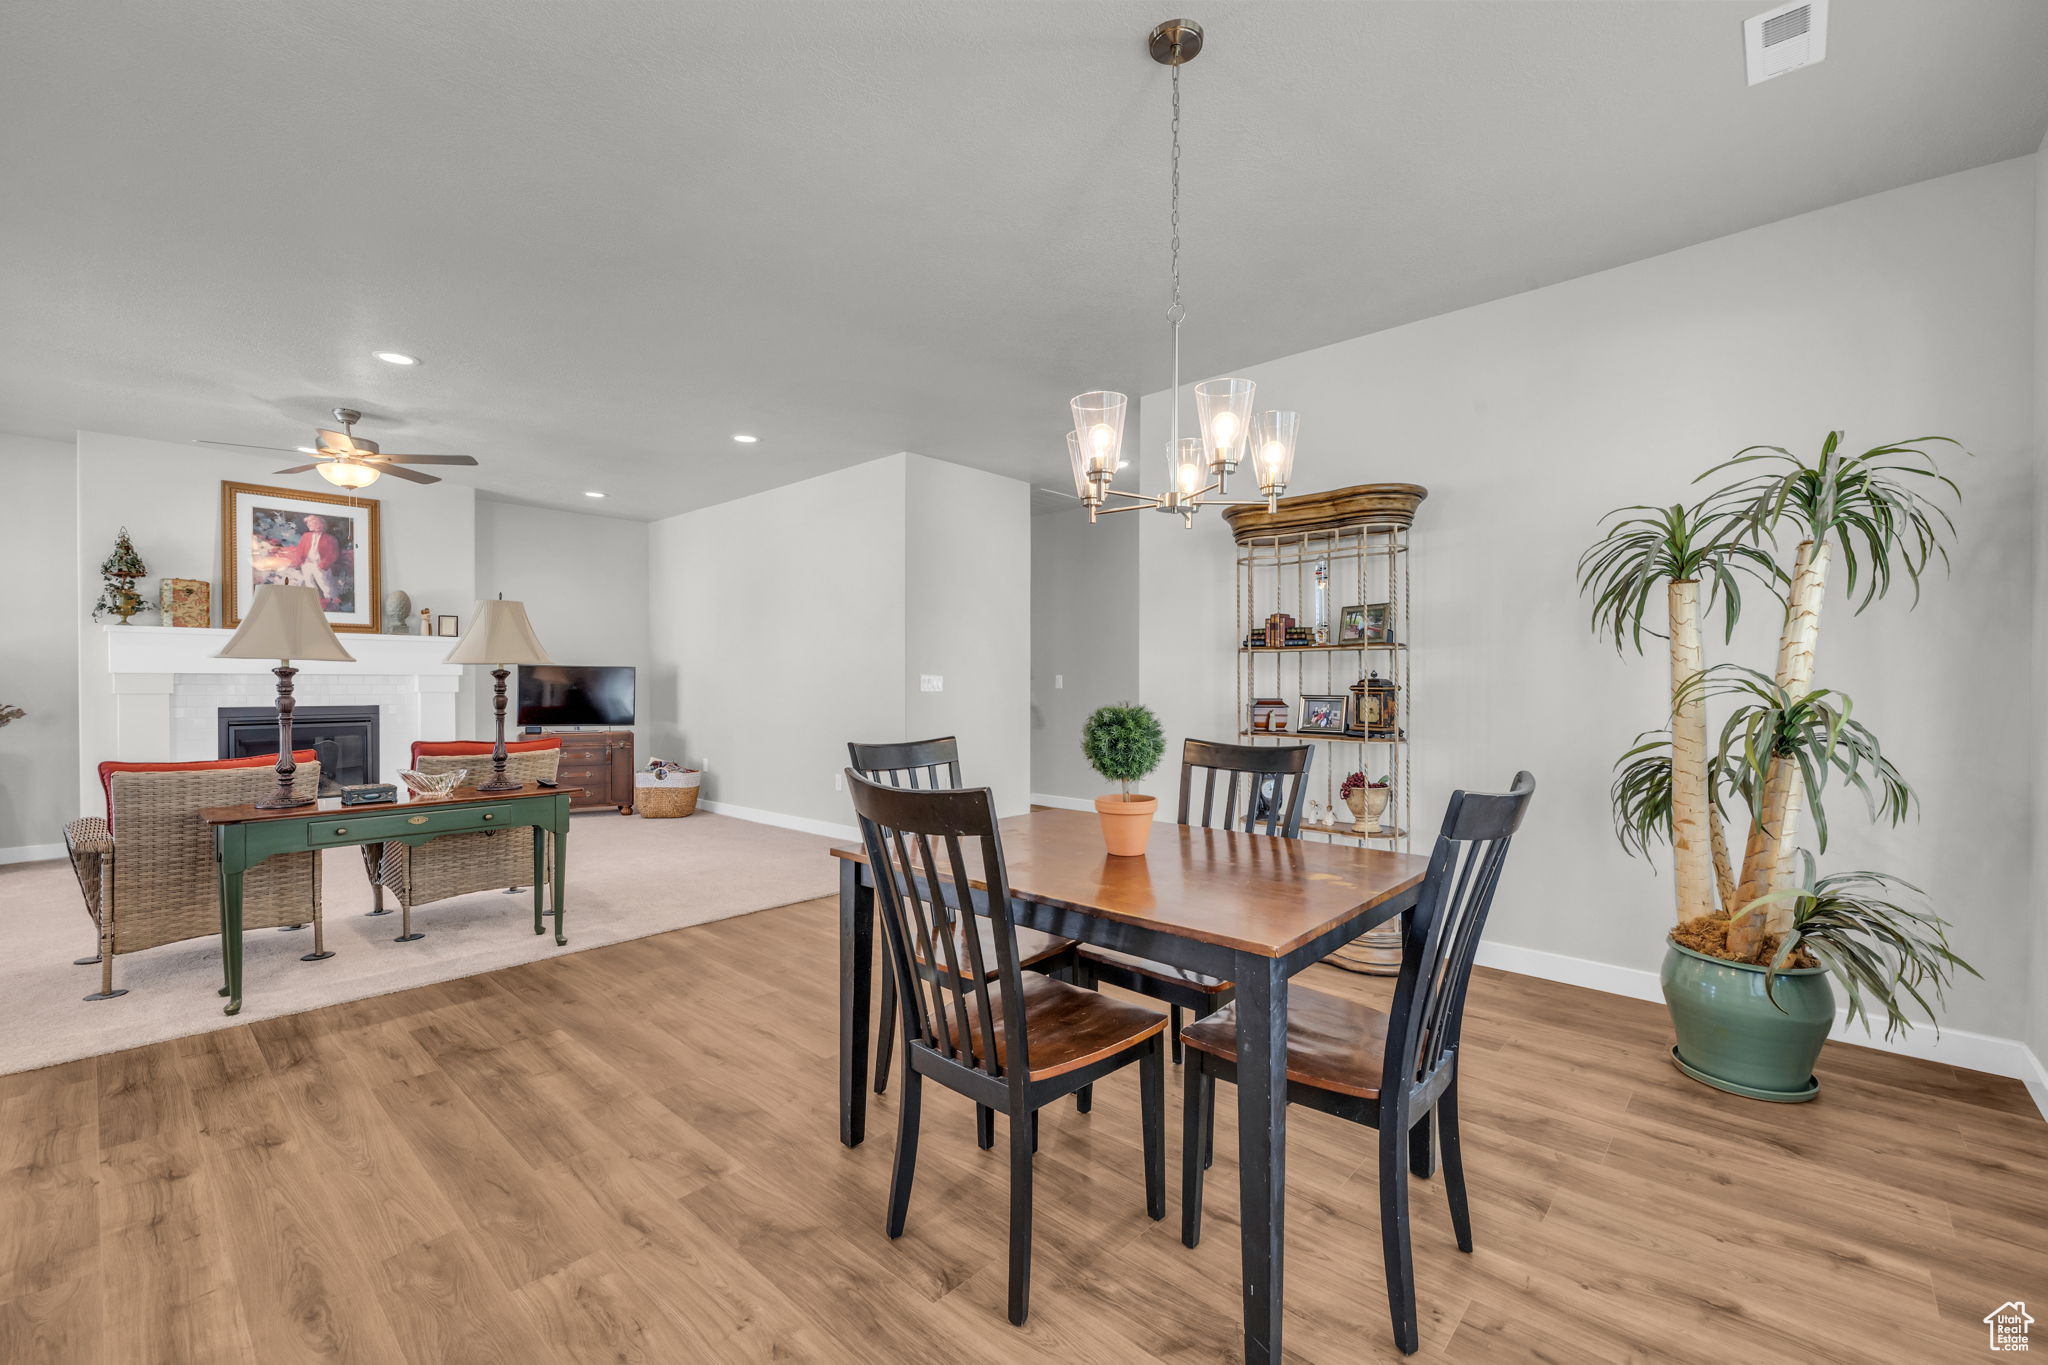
(499, 634)
(285, 623)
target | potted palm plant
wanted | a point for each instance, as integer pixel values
(1124, 744)
(1747, 967)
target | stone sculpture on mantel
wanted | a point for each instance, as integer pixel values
(397, 613)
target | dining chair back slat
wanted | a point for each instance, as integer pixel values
(918, 764)
(1272, 778)
(1442, 936)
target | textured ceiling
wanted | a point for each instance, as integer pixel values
(620, 232)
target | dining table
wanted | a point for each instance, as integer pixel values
(1251, 909)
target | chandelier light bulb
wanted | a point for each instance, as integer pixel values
(1226, 428)
(1101, 438)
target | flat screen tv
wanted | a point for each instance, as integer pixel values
(564, 694)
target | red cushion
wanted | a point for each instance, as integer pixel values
(107, 770)
(469, 748)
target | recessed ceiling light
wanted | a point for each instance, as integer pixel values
(745, 439)
(396, 357)
(593, 494)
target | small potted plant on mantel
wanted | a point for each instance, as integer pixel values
(1747, 965)
(1124, 744)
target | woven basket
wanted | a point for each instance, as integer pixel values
(665, 798)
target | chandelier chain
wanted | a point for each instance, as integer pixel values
(1176, 312)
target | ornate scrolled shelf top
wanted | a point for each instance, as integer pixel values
(1378, 504)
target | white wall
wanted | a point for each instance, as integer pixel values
(792, 621)
(38, 644)
(168, 496)
(967, 621)
(583, 580)
(778, 634)
(1899, 315)
(2037, 988)
(1084, 636)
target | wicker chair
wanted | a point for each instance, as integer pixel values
(461, 864)
(147, 869)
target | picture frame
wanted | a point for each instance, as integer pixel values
(327, 541)
(1379, 623)
(1322, 714)
(1351, 626)
(447, 625)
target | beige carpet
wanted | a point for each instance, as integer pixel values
(628, 878)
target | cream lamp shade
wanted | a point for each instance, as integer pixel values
(285, 622)
(499, 633)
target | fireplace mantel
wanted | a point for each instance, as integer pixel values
(189, 649)
(153, 693)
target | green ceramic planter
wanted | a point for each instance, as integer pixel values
(1731, 1035)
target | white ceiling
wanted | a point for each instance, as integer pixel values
(620, 232)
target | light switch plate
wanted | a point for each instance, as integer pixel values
(931, 682)
(1059, 680)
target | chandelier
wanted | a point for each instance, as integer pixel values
(1198, 468)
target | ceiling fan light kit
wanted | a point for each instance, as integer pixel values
(1198, 469)
(347, 460)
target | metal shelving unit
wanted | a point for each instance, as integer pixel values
(1311, 573)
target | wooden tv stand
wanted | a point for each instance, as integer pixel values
(598, 761)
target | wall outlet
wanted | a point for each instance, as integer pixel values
(1059, 680)
(931, 682)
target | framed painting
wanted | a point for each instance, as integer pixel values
(324, 541)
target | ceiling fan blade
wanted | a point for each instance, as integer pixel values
(301, 468)
(340, 442)
(423, 459)
(398, 473)
(244, 445)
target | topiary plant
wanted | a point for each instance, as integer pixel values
(1123, 743)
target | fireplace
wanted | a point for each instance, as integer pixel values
(345, 737)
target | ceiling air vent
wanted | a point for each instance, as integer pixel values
(1785, 39)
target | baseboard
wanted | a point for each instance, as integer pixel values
(1061, 802)
(31, 853)
(1953, 1047)
(2037, 1080)
(777, 818)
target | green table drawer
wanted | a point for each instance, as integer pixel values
(347, 829)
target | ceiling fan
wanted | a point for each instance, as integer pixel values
(348, 461)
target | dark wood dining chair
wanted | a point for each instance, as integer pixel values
(1008, 1039)
(1263, 796)
(934, 765)
(1340, 1053)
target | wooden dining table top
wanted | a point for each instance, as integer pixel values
(1252, 893)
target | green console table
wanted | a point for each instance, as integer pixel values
(244, 836)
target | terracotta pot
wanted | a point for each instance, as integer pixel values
(1126, 823)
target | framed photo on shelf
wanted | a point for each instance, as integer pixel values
(324, 541)
(1322, 715)
(1351, 626)
(1379, 623)
(448, 625)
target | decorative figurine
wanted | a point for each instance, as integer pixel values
(397, 613)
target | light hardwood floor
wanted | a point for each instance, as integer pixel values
(629, 1154)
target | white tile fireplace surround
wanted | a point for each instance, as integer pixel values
(161, 689)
